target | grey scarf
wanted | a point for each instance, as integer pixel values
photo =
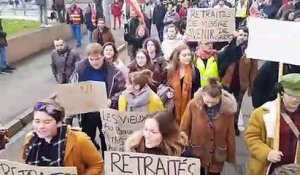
(138, 102)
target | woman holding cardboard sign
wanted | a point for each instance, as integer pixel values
(52, 143)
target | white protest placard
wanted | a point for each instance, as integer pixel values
(82, 97)
(273, 40)
(209, 24)
(16, 168)
(117, 126)
(119, 163)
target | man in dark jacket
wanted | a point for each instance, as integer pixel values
(88, 20)
(99, 8)
(267, 77)
(63, 61)
(4, 67)
(130, 29)
(60, 7)
(96, 68)
(43, 12)
(159, 13)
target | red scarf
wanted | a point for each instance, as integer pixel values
(205, 54)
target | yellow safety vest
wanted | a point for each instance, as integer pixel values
(241, 11)
(210, 71)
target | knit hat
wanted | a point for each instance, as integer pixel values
(291, 84)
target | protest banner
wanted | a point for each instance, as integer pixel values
(273, 40)
(117, 126)
(120, 163)
(210, 25)
(82, 97)
(16, 168)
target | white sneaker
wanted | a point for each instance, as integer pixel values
(42, 25)
(241, 128)
(49, 25)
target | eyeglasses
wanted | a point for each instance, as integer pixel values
(49, 109)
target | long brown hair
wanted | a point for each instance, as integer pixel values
(175, 62)
(134, 66)
(116, 55)
(173, 141)
(141, 78)
(145, 28)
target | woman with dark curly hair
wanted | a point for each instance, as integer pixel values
(159, 63)
(137, 39)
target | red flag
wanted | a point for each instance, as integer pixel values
(135, 6)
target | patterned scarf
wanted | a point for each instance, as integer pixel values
(213, 111)
(35, 156)
(182, 94)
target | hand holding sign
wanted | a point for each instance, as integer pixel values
(211, 25)
(9, 167)
(117, 163)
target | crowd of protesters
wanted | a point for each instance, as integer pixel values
(194, 90)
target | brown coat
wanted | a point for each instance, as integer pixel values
(80, 152)
(247, 72)
(106, 35)
(211, 140)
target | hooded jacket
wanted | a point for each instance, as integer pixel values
(213, 140)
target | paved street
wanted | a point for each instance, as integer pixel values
(13, 151)
(28, 12)
(33, 81)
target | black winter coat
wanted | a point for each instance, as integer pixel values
(159, 13)
(264, 83)
(3, 41)
(135, 41)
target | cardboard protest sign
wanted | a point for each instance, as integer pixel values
(209, 24)
(82, 97)
(119, 163)
(117, 126)
(16, 168)
(273, 40)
